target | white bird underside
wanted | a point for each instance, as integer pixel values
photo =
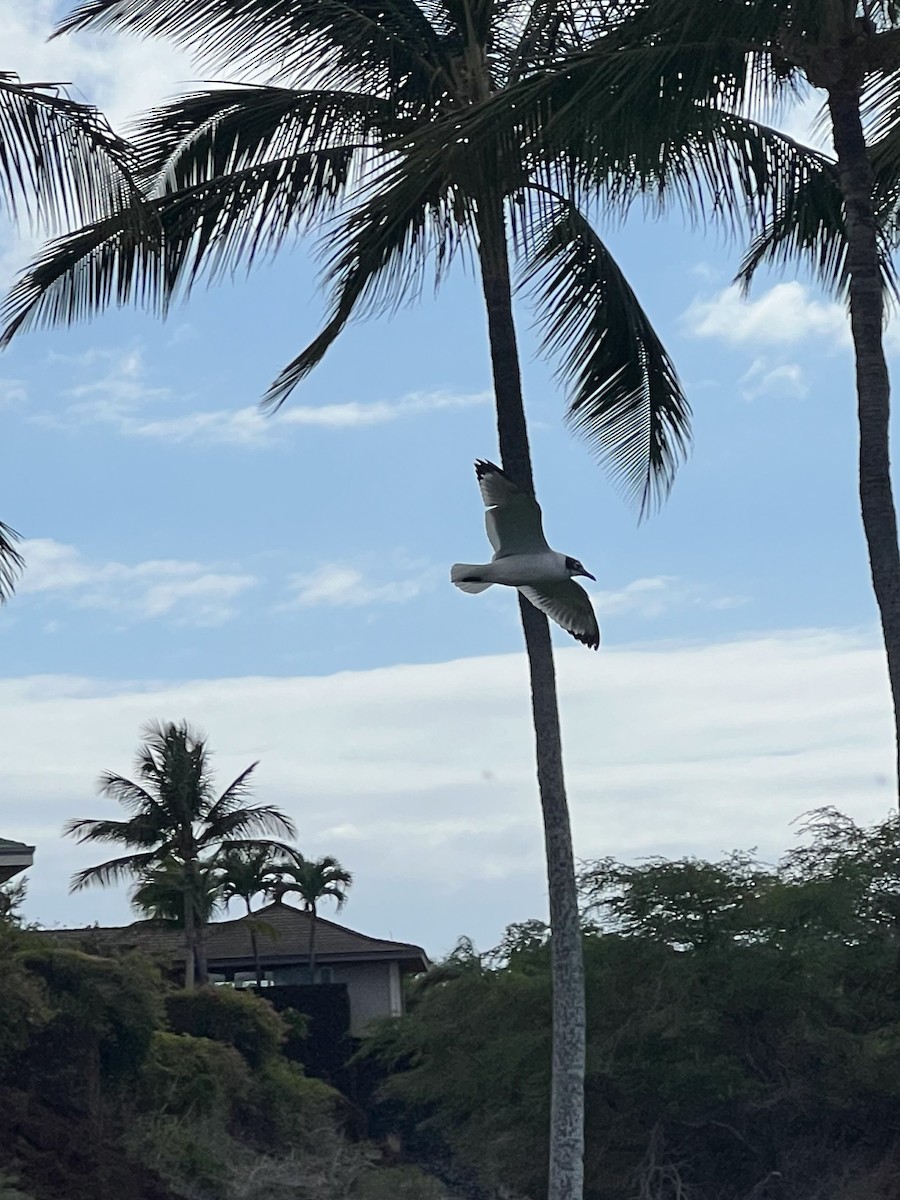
(523, 560)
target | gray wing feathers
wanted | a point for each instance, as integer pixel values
(568, 604)
(513, 518)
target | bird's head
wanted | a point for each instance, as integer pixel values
(574, 567)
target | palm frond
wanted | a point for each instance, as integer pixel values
(381, 257)
(232, 797)
(625, 396)
(390, 42)
(60, 162)
(82, 273)
(201, 135)
(126, 792)
(207, 230)
(240, 825)
(114, 871)
(11, 562)
(138, 831)
(810, 230)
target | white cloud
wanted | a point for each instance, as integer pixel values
(762, 379)
(421, 778)
(121, 398)
(121, 74)
(188, 592)
(249, 426)
(785, 314)
(336, 585)
(658, 594)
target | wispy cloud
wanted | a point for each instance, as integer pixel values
(336, 585)
(123, 398)
(763, 379)
(655, 595)
(189, 593)
(250, 427)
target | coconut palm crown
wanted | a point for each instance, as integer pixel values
(176, 822)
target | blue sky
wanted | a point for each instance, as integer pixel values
(282, 581)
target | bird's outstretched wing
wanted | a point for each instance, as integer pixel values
(568, 604)
(513, 518)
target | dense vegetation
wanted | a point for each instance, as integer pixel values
(113, 1084)
(743, 1044)
(743, 1032)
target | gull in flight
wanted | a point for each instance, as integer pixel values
(522, 559)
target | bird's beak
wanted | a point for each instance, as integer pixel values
(588, 575)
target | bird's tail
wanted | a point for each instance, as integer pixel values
(466, 576)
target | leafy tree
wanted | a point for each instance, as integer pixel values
(232, 172)
(313, 880)
(12, 897)
(742, 1031)
(176, 822)
(684, 903)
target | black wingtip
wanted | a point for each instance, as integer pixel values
(484, 467)
(587, 639)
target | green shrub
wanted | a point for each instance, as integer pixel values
(102, 1016)
(398, 1183)
(10, 1190)
(186, 1076)
(25, 1009)
(237, 1018)
(284, 1110)
(192, 1157)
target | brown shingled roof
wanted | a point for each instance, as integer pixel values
(282, 932)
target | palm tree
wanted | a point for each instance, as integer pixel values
(176, 823)
(60, 164)
(313, 880)
(162, 893)
(231, 172)
(243, 874)
(159, 893)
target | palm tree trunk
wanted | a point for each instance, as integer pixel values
(567, 1086)
(872, 382)
(202, 965)
(312, 943)
(190, 940)
(254, 943)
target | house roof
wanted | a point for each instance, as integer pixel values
(14, 857)
(282, 933)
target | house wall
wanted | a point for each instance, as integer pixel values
(371, 991)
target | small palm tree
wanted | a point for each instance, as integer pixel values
(244, 873)
(313, 881)
(176, 824)
(162, 893)
(159, 893)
